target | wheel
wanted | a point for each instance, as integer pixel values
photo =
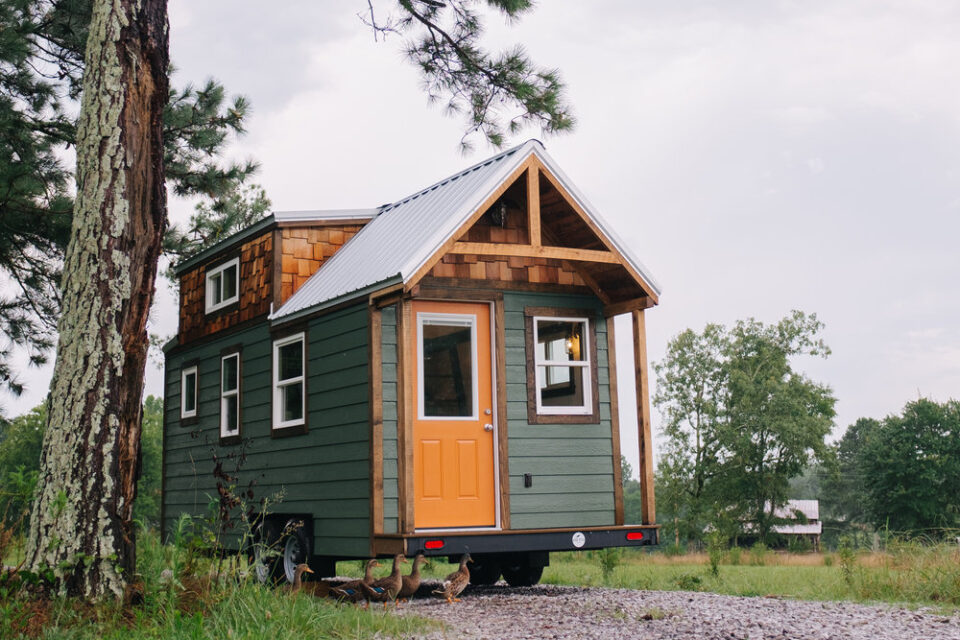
(296, 548)
(484, 571)
(263, 554)
(522, 575)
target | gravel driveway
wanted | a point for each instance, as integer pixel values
(571, 612)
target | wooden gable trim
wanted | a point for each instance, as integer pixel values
(452, 240)
(534, 166)
(636, 304)
(596, 230)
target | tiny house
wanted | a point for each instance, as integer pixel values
(437, 374)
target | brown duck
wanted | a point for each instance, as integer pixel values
(297, 578)
(350, 591)
(385, 590)
(411, 582)
(456, 582)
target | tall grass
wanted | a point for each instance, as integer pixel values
(214, 601)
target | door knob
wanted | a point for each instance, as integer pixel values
(488, 427)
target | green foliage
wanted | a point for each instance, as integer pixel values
(912, 462)
(716, 546)
(19, 464)
(758, 554)
(146, 508)
(739, 422)
(497, 94)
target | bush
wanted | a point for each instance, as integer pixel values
(758, 554)
(734, 556)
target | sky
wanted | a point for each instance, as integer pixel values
(757, 156)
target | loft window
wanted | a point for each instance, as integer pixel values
(223, 285)
(561, 351)
(289, 382)
(188, 393)
(230, 395)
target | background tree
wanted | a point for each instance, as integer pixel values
(81, 524)
(739, 421)
(843, 497)
(912, 462)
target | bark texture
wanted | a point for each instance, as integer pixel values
(81, 524)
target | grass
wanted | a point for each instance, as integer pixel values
(233, 609)
(906, 573)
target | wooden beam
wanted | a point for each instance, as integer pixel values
(531, 251)
(376, 422)
(445, 247)
(647, 497)
(405, 355)
(618, 515)
(533, 205)
(626, 306)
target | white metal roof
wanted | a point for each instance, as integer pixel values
(324, 214)
(809, 508)
(405, 234)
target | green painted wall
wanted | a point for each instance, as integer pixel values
(324, 472)
(572, 464)
(389, 355)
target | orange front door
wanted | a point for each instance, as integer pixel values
(453, 429)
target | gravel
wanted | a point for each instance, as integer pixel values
(571, 612)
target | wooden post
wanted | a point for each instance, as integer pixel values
(648, 500)
(618, 515)
(406, 352)
(533, 204)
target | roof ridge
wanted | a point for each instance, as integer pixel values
(479, 165)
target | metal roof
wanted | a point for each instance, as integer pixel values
(405, 234)
(325, 214)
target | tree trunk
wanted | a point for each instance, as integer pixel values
(81, 525)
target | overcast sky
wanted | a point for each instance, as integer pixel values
(758, 156)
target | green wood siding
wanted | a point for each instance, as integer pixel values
(388, 336)
(324, 472)
(571, 464)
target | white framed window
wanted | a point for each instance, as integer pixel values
(230, 395)
(447, 371)
(223, 285)
(562, 365)
(188, 392)
(289, 393)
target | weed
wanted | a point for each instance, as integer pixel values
(609, 559)
(734, 556)
(655, 613)
(828, 559)
(689, 582)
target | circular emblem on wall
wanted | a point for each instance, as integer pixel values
(579, 539)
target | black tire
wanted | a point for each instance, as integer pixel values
(294, 550)
(522, 575)
(485, 571)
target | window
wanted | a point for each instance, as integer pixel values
(188, 392)
(448, 366)
(562, 385)
(223, 285)
(230, 395)
(288, 382)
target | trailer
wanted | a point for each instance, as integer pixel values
(437, 374)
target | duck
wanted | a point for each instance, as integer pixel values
(411, 582)
(456, 582)
(301, 569)
(385, 590)
(350, 591)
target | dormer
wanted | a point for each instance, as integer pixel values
(241, 278)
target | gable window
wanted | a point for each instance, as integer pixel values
(230, 395)
(223, 285)
(188, 392)
(561, 367)
(289, 395)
